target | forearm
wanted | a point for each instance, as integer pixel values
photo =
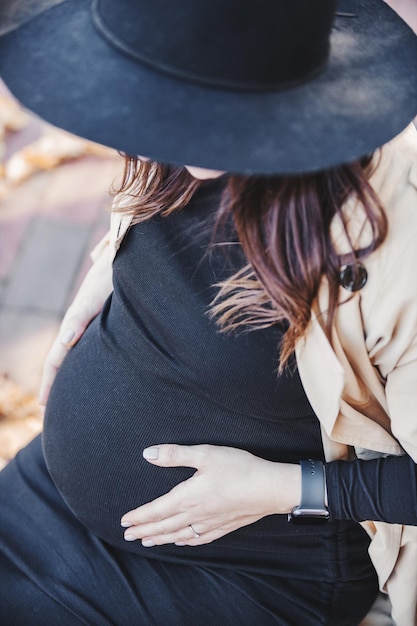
(383, 489)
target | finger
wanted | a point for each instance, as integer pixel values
(167, 526)
(174, 455)
(44, 390)
(53, 362)
(204, 538)
(50, 369)
(70, 332)
(68, 337)
(184, 538)
(178, 530)
(73, 326)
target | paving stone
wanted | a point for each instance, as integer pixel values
(79, 190)
(47, 266)
(17, 141)
(98, 232)
(25, 339)
(24, 199)
(12, 232)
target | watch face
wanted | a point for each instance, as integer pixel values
(309, 516)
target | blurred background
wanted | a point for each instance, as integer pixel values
(54, 207)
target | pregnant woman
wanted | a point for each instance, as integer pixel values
(231, 437)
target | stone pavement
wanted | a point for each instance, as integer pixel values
(48, 225)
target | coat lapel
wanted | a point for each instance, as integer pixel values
(344, 389)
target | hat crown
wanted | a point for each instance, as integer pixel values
(231, 43)
(205, 82)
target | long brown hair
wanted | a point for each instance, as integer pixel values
(283, 224)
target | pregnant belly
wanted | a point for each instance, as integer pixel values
(101, 414)
(106, 407)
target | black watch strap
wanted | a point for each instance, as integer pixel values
(312, 508)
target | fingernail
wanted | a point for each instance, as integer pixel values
(151, 453)
(126, 524)
(130, 537)
(67, 336)
(148, 543)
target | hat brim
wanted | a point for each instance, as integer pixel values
(60, 67)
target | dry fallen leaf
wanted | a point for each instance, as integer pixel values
(21, 419)
(12, 116)
(54, 147)
(49, 151)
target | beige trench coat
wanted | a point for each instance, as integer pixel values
(363, 388)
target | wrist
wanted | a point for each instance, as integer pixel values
(286, 487)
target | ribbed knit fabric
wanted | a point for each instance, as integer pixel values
(153, 368)
(380, 490)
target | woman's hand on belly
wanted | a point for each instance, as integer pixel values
(230, 489)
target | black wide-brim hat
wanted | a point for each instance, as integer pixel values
(270, 86)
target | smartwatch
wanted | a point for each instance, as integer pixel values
(312, 508)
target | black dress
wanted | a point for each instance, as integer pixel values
(153, 368)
